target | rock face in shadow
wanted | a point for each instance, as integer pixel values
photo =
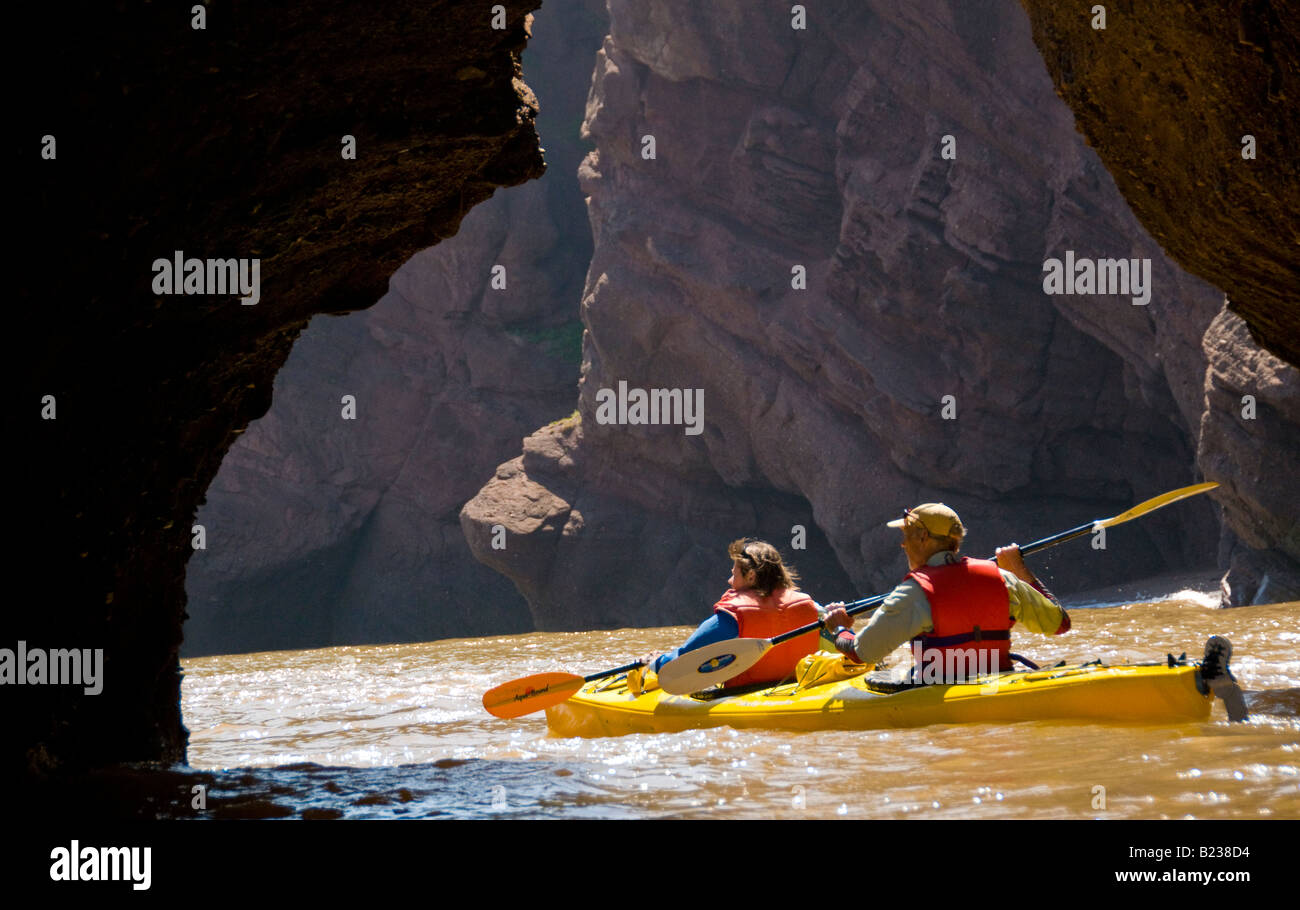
(1195, 110)
(222, 142)
(1249, 443)
(864, 311)
(327, 531)
(648, 550)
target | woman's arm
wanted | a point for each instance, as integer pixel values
(718, 627)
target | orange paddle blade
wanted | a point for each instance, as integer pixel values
(532, 693)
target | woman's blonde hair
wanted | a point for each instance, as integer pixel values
(764, 560)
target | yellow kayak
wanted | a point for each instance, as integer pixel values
(1124, 693)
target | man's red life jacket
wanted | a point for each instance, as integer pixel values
(971, 613)
(767, 617)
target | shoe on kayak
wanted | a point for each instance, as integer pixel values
(1214, 669)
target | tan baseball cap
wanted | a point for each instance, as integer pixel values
(935, 517)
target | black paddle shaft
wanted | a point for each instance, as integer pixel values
(858, 606)
(626, 668)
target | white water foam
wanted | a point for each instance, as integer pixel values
(1207, 599)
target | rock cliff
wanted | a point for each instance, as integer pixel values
(912, 164)
(1193, 109)
(330, 531)
(919, 166)
(1250, 444)
(144, 134)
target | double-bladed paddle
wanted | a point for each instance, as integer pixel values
(724, 660)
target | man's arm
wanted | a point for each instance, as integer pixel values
(1031, 603)
(904, 615)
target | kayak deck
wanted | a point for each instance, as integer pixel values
(1124, 693)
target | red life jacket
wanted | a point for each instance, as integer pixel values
(767, 617)
(971, 614)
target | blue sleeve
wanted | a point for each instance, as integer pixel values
(718, 627)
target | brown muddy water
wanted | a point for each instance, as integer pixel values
(400, 732)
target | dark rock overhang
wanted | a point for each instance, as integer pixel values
(225, 141)
(1195, 110)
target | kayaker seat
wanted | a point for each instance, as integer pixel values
(1024, 660)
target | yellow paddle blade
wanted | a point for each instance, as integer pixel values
(532, 693)
(1157, 502)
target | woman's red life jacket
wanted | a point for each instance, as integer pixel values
(971, 614)
(767, 617)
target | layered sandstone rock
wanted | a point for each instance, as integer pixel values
(1192, 107)
(1248, 443)
(330, 531)
(779, 148)
(775, 148)
(220, 142)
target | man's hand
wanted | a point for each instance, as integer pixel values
(1009, 558)
(837, 617)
